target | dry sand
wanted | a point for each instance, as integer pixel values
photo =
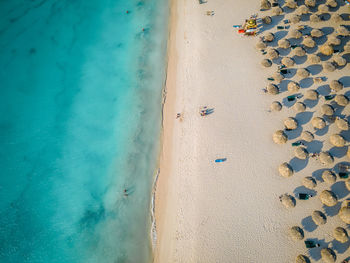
(229, 212)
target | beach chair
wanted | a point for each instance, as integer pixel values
(343, 175)
(304, 196)
(311, 244)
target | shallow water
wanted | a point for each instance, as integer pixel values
(80, 112)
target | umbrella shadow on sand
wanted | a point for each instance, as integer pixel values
(298, 164)
(332, 210)
(315, 146)
(322, 131)
(315, 253)
(304, 117)
(293, 134)
(339, 247)
(346, 81)
(338, 152)
(318, 174)
(308, 224)
(339, 189)
(303, 190)
(306, 83)
(275, 21)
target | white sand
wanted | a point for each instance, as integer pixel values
(225, 212)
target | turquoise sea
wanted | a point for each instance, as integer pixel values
(80, 118)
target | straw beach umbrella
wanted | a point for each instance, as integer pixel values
(310, 3)
(277, 11)
(339, 60)
(344, 213)
(328, 198)
(279, 137)
(316, 32)
(307, 136)
(303, 73)
(287, 61)
(261, 45)
(309, 42)
(342, 124)
(294, 33)
(294, 19)
(326, 158)
(336, 18)
(323, 9)
(283, 43)
(337, 140)
(296, 233)
(341, 235)
(269, 37)
(302, 10)
(314, 18)
(266, 63)
(272, 89)
(327, 110)
(291, 4)
(336, 86)
(267, 20)
(319, 218)
(265, 4)
(288, 201)
(309, 182)
(326, 49)
(342, 31)
(328, 66)
(318, 123)
(341, 100)
(299, 52)
(331, 3)
(278, 77)
(293, 86)
(301, 153)
(329, 177)
(276, 106)
(302, 259)
(285, 170)
(333, 40)
(328, 255)
(290, 123)
(272, 53)
(313, 59)
(299, 107)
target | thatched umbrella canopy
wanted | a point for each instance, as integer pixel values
(301, 153)
(313, 59)
(307, 136)
(336, 18)
(299, 52)
(291, 4)
(347, 184)
(290, 123)
(266, 63)
(296, 233)
(333, 40)
(272, 89)
(279, 137)
(341, 100)
(336, 85)
(323, 9)
(302, 259)
(294, 33)
(339, 60)
(328, 255)
(337, 140)
(285, 170)
(331, 3)
(283, 43)
(328, 66)
(261, 45)
(314, 18)
(302, 10)
(272, 53)
(329, 177)
(293, 86)
(318, 123)
(319, 218)
(344, 213)
(288, 201)
(342, 31)
(340, 234)
(288, 62)
(326, 49)
(265, 4)
(269, 37)
(311, 94)
(309, 42)
(278, 77)
(267, 20)
(342, 124)
(328, 198)
(303, 73)
(310, 3)
(309, 182)
(316, 32)
(299, 107)
(277, 11)
(327, 110)
(276, 106)
(326, 158)
(294, 19)
(347, 47)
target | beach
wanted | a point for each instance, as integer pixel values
(230, 211)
